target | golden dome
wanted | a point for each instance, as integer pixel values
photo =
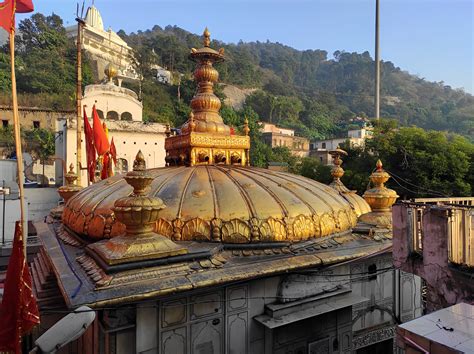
(221, 203)
(110, 71)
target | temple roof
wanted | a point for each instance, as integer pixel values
(223, 203)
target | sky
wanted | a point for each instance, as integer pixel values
(430, 38)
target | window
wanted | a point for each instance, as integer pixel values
(100, 114)
(126, 116)
(320, 159)
(372, 271)
(122, 166)
(323, 145)
(5, 123)
(112, 115)
(36, 124)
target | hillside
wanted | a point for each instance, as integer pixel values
(311, 91)
(325, 91)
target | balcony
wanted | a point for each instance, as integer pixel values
(434, 239)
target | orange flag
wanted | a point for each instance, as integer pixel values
(90, 149)
(113, 151)
(8, 9)
(19, 311)
(101, 142)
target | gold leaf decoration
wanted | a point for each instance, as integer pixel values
(196, 229)
(164, 227)
(236, 231)
(272, 230)
(303, 227)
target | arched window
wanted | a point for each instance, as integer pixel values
(100, 113)
(122, 166)
(112, 115)
(126, 116)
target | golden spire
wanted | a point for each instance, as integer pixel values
(380, 199)
(337, 171)
(139, 213)
(207, 37)
(111, 72)
(246, 126)
(204, 138)
(67, 191)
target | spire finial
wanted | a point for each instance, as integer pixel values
(246, 126)
(207, 37)
(139, 163)
(379, 165)
(192, 123)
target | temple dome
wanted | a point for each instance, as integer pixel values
(221, 203)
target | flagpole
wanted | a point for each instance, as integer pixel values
(80, 23)
(16, 129)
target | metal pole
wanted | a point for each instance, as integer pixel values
(19, 155)
(377, 61)
(3, 222)
(80, 23)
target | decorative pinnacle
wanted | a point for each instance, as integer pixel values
(139, 163)
(71, 168)
(379, 165)
(246, 126)
(207, 38)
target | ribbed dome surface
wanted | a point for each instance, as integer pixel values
(220, 203)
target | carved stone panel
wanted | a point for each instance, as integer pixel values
(237, 340)
(237, 298)
(207, 337)
(174, 341)
(206, 305)
(173, 313)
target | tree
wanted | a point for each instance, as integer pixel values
(43, 143)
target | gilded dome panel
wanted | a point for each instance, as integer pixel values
(222, 203)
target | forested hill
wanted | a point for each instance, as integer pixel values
(312, 91)
(329, 88)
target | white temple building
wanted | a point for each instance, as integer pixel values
(104, 47)
(121, 111)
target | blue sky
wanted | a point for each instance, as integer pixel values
(430, 38)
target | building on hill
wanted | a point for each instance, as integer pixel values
(104, 47)
(320, 149)
(211, 255)
(121, 111)
(275, 136)
(34, 117)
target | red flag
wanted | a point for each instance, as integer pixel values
(8, 9)
(19, 310)
(90, 149)
(113, 151)
(101, 142)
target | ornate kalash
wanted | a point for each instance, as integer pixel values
(204, 138)
(68, 190)
(139, 213)
(380, 199)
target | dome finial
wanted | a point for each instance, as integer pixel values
(111, 72)
(192, 123)
(207, 37)
(246, 126)
(139, 164)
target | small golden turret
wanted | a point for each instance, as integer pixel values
(205, 138)
(380, 199)
(138, 212)
(67, 191)
(337, 171)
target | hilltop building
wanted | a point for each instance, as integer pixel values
(320, 149)
(276, 136)
(121, 111)
(104, 47)
(211, 255)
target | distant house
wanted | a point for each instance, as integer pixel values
(275, 136)
(319, 149)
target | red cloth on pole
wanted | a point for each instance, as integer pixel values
(106, 167)
(90, 149)
(101, 142)
(113, 151)
(19, 311)
(8, 9)
(23, 6)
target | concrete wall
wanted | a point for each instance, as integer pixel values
(40, 201)
(28, 115)
(446, 284)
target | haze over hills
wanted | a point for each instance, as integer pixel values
(325, 90)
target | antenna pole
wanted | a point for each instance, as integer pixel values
(377, 61)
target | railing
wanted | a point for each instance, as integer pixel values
(460, 227)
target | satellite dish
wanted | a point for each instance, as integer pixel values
(66, 330)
